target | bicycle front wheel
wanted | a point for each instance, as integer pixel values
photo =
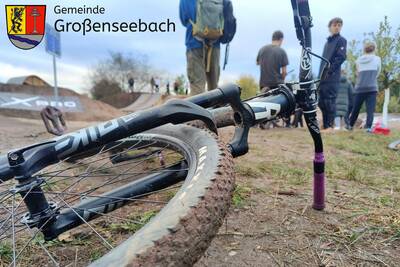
(174, 183)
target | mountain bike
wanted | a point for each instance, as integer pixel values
(160, 173)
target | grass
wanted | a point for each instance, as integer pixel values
(168, 195)
(95, 255)
(6, 253)
(137, 222)
(247, 171)
(363, 193)
(363, 158)
(240, 196)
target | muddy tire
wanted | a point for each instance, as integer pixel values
(184, 228)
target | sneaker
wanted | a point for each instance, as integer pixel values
(327, 130)
(369, 130)
(337, 128)
(348, 128)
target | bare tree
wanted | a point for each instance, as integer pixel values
(118, 69)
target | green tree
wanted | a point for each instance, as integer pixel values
(353, 52)
(388, 49)
(248, 85)
(180, 81)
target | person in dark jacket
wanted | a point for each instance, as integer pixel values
(343, 101)
(335, 51)
(368, 70)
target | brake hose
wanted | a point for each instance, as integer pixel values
(307, 98)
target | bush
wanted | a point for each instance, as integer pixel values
(103, 89)
(394, 105)
(249, 86)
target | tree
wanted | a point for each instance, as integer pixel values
(117, 69)
(180, 82)
(388, 49)
(248, 85)
(387, 43)
(353, 52)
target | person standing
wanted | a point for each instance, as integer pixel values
(152, 84)
(343, 102)
(157, 85)
(202, 44)
(335, 51)
(366, 89)
(273, 62)
(131, 83)
(168, 88)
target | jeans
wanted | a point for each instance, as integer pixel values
(370, 102)
(328, 108)
(338, 122)
(327, 102)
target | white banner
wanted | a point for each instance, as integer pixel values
(37, 103)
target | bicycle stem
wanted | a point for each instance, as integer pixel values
(307, 98)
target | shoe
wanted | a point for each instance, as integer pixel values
(336, 128)
(327, 130)
(369, 130)
(348, 128)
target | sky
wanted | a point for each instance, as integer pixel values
(257, 19)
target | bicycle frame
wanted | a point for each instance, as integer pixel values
(22, 164)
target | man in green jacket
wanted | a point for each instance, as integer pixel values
(344, 101)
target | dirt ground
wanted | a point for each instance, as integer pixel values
(271, 222)
(17, 132)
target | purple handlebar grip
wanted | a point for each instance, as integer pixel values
(319, 185)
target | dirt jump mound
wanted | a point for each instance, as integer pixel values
(26, 101)
(144, 101)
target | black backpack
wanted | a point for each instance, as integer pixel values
(229, 28)
(229, 23)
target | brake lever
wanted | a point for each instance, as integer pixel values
(243, 117)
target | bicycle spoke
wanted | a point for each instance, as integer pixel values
(77, 180)
(104, 184)
(94, 161)
(116, 198)
(31, 239)
(45, 249)
(90, 226)
(63, 161)
(19, 204)
(123, 174)
(13, 232)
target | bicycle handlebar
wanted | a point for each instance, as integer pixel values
(282, 101)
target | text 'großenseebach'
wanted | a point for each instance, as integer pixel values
(88, 25)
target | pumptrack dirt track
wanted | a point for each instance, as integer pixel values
(144, 101)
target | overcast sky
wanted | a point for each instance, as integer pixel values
(257, 19)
